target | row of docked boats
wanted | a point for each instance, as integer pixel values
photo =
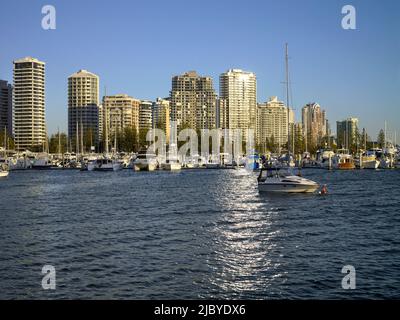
(342, 159)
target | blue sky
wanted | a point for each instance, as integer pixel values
(137, 46)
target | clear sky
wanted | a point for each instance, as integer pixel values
(137, 46)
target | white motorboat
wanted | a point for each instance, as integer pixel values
(279, 181)
(42, 162)
(145, 161)
(101, 164)
(369, 160)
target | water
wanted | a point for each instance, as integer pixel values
(197, 234)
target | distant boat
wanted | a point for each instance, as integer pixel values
(101, 164)
(276, 180)
(3, 170)
(344, 160)
(145, 161)
(42, 162)
(369, 159)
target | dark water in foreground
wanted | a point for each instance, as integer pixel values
(197, 234)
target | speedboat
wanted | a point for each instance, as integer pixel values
(281, 181)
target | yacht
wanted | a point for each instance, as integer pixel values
(281, 181)
(42, 162)
(344, 160)
(145, 161)
(388, 158)
(369, 159)
(101, 164)
(325, 158)
(19, 162)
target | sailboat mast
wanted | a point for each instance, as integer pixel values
(77, 139)
(82, 138)
(105, 118)
(59, 142)
(385, 134)
(5, 142)
(287, 94)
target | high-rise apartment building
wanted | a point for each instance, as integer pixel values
(161, 116)
(145, 116)
(272, 121)
(29, 104)
(347, 133)
(193, 101)
(238, 93)
(83, 107)
(121, 111)
(6, 117)
(314, 124)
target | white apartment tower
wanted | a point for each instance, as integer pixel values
(161, 116)
(121, 111)
(238, 100)
(272, 121)
(83, 107)
(29, 103)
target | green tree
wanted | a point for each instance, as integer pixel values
(57, 144)
(9, 141)
(129, 140)
(381, 138)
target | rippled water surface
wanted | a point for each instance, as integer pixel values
(197, 234)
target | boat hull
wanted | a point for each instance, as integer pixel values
(374, 164)
(172, 166)
(3, 174)
(346, 166)
(144, 167)
(287, 188)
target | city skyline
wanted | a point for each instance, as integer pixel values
(331, 66)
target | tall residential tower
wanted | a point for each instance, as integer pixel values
(6, 107)
(238, 100)
(29, 104)
(193, 101)
(83, 107)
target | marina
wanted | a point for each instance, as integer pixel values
(197, 234)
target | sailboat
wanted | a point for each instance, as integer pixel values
(284, 181)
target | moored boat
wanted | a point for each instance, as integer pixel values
(344, 160)
(281, 181)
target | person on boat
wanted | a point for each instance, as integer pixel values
(324, 190)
